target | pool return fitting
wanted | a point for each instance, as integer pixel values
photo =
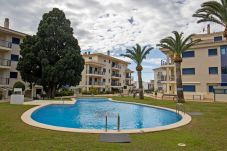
(118, 123)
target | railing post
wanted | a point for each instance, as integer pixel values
(106, 123)
(118, 122)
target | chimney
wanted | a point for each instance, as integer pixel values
(208, 29)
(108, 52)
(6, 23)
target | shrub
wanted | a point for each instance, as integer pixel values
(65, 92)
(93, 91)
(19, 85)
(85, 92)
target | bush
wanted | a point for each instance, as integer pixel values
(93, 91)
(85, 92)
(19, 85)
(65, 92)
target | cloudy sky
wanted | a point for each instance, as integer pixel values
(102, 25)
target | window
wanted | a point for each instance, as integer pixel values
(188, 71)
(212, 52)
(14, 57)
(211, 88)
(104, 80)
(223, 50)
(213, 70)
(189, 88)
(223, 84)
(13, 75)
(104, 69)
(104, 60)
(188, 54)
(15, 40)
(224, 70)
(218, 38)
(90, 57)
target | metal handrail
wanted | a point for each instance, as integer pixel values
(4, 81)
(5, 62)
(180, 107)
(96, 72)
(6, 44)
(116, 75)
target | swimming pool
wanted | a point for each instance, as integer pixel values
(89, 115)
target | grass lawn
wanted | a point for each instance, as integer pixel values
(205, 133)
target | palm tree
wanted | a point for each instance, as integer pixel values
(177, 45)
(138, 54)
(213, 11)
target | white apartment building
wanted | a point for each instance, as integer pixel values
(9, 56)
(105, 73)
(204, 66)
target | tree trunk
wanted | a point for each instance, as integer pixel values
(225, 32)
(51, 92)
(140, 85)
(180, 93)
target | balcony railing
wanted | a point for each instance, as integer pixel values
(5, 62)
(96, 83)
(165, 62)
(115, 84)
(4, 81)
(116, 75)
(96, 72)
(128, 77)
(6, 44)
(116, 66)
(167, 78)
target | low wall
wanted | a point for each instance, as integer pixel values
(16, 99)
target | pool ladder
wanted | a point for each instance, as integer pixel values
(118, 123)
(180, 107)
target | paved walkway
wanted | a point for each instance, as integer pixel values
(43, 102)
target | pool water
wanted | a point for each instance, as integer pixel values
(91, 114)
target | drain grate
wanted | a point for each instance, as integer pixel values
(115, 138)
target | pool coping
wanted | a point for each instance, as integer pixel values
(26, 118)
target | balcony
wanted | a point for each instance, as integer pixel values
(128, 77)
(167, 78)
(166, 63)
(99, 73)
(5, 63)
(116, 75)
(98, 83)
(5, 44)
(115, 84)
(116, 67)
(4, 81)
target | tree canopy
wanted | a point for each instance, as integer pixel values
(51, 58)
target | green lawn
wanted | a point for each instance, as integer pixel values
(204, 133)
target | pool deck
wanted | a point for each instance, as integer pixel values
(26, 117)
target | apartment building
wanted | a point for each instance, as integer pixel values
(204, 66)
(9, 56)
(105, 73)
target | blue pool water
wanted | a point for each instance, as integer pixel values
(90, 114)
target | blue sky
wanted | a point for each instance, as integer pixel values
(102, 25)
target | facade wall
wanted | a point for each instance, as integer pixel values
(105, 73)
(7, 65)
(201, 62)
